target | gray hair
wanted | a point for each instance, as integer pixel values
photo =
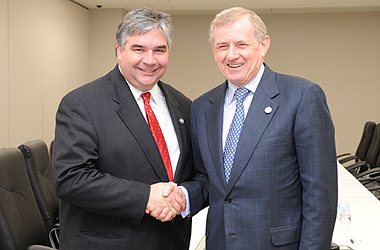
(141, 20)
(231, 15)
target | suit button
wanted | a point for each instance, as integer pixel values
(228, 200)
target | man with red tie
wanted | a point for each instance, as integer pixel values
(116, 139)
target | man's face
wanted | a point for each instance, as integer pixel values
(237, 53)
(144, 59)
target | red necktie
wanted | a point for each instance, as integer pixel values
(157, 134)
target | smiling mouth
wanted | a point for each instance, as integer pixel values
(149, 71)
(234, 65)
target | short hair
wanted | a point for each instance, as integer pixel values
(231, 15)
(141, 20)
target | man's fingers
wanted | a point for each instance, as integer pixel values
(176, 207)
(178, 200)
(160, 213)
(169, 187)
(168, 217)
(156, 213)
(181, 199)
(165, 201)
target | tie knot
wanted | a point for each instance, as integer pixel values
(241, 93)
(146, 97)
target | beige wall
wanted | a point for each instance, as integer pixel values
(339, 51)
(4, 86)
(44, 48)
(50, 52)
(103, 26)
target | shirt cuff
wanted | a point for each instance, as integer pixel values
(185, 213)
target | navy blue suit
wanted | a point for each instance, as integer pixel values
(282, 191)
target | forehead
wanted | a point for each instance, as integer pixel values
(153, 38)
(241, 29)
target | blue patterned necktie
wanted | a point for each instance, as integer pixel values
(234, 132)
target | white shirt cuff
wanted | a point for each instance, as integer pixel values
(187, 210)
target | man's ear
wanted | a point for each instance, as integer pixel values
(214, 52)
(118, 51)
(264, 44)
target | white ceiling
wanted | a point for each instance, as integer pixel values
(214, 6)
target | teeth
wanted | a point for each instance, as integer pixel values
(234, 65)
(148, 71)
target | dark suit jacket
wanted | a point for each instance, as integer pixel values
(282, 191)
(105, 159)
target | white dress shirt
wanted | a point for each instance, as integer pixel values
(160, 109)
(228, 114)
(230, 102)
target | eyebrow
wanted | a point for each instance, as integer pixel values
(141, 46)
(137, 46)
(220, 43)
(161, 47)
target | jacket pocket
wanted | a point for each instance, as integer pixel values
(267, 141)
(285, 235)
(98, 240)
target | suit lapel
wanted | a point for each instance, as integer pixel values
(214, 124)
(255, 124)
(131, 115)
(178, 120)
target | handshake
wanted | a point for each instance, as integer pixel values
(166, 201)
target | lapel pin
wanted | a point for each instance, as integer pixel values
(268, 110)
(181, 120)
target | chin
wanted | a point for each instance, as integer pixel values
(234, 80)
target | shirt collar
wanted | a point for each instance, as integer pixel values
(155, 91)
(252, 85)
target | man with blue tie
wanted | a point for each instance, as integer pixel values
(264, 149)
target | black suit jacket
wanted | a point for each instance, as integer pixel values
(105, 159)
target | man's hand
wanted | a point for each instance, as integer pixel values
(166, 201)
(175, 195)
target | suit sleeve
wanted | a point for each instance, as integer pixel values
(315, 148)
(77, 178)
(198, 187)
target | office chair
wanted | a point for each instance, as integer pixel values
(362, 149)
(21, 223)
(371, 179)
(38, 165)
(370, 160)
(373, 173)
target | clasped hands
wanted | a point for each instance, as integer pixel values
(166, 201)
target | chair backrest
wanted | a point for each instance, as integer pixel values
(374, 148)
(365, 141)
(21, 223)
(38, 165)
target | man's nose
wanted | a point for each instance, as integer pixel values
(149, 58)
(232, 53)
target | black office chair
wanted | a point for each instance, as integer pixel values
(371, 179)
(21, 223)
(374, 172)
(38, 165)
(363, 147)
(370, 161)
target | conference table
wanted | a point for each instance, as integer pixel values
(362, 234)
(364, 208)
